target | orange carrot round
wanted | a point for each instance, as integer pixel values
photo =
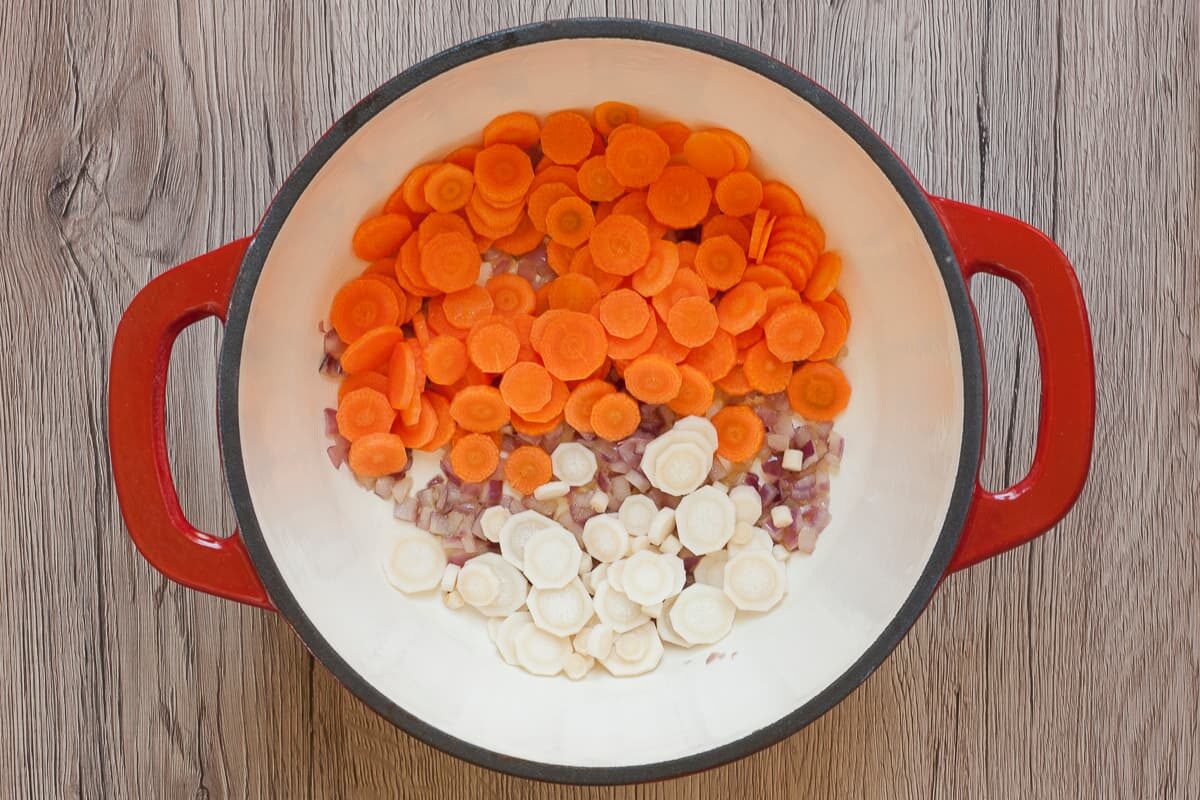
(467, 306)
(624, 313)
(637, 156)
(675, 134)
(824, 277)
(573, 345)
(710, 153)
(381, 236)
(528, 428)
(665, 345)
(695, 394)
(740, 308)
(764, 372)
(680, 197)
(402, 376)
(836, 329)
(611, 114)
(445, 423)
(371, 350)
(692, 321)
(555, 173)
(567, 137)
(780, 296)
(448, 187)
(793, 332)
(376, 455)
(372, 380)
(364, 411)
(511, 294)
(739, 193)
(361, 305)
(542, 198)
(620, 244)
(578, 409)
(615, 416)
(503, 173)
(408, 269)
(765, 276)
(734, 383)
(779, 198)
(474, 457)
(659, 270)
(716, 358)
(740, 147)
(450, 262)
(558, 257)
(523, 240)
(740, 433)
(435, 315)
(440, 222)
(445, 360)
(596, 182)
(527, 468)
(685, 283)
(725, 225)
(573, 292)
(493, 345)
(652, 378)
(634, 346)
(480, 409)
(569, 221)
(839, 302)
(559, 394)
(518, 128)
(419, 434)
(818, 391)
(463, 156)
(526, 387)
(720, 261)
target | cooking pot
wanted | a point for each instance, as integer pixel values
(907, 506)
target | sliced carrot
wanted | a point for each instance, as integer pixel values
(559, 257)
(720, 261)
(402, 376)
(408, 269)
(573, 344)
(420, 329)
(596, 182)
(518, 128)
(567, 137)
(491, 218)
(710, 153)
(793, 332)
(485, 230)
(734, 383)
(725, 225)
(376, 455)
(573, 292)
(448, 187)
(803, 224)
(395, 203)
(761, 216)
(493, 345)
(527, 468)
(503, 173)
(511, 294)
(619, 244)
(474, 458)
(687, 253)
(559, 393)
(839, 302)
(445, 360)
(450, 262)
(764, 372)
(742, 307)
(748, 338)
(524, 325)
(634, 204)
(523, 240)
(824, 277)
(569, 221)
(740, 147)
(680, 197)
(538, 332)
(685, 283)
(659, 270)
(739, 193)
(463, 156)
(372, 380)
(361, 305)
(556, 173)
(635, 345)
(624, 313)
(766, 277)
(780, 296)
(652, 378)
(636, 157)
(692, 321)
(480, 409)
(716, 358)
(615, 416)
(780, 199)
(419, 434)
(441, 222)
(740, 433)
(445, 429)
(380, 266)
(542, 198)
(794, 260)
(695, 394)
(526, 387)
(381, 236)
(578, 409)
(665, 345)
(435, 315)
(768, 230)
(413, 188)
(612, 114)
(603, 210)
(364, 411)
(675, 134)
(818, 391)
(371, 350)
(835, 327)
(524, 426)
(583, 264)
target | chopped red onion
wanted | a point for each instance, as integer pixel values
(439, 525)
(334, 346)
(406, 510)
(837, 445)
(424, 516)
(544, 507)
(448, 471)
(331, 426)
(619, 467)
(458, 557)
(619, 489)
(750, 479)
(469, 543)
(806, 540)
(321, 329)
(337, 452)
(769, 494)
(511, 504)
(457, 521)
(768, 415)
(329, 366)
(778, 442)
(494, 491)
(772, 467)
(803, 489)
(718, 472)
(384, 486)
(783, 426)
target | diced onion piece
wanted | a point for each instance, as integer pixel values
(680, 468)
(551, 558)
(671, 545)
(700, 425)
(665, 631)
(416, 562)
(754, 580)
(648, 578)
(551, 491)
(616, 610)
(793, 460)
(640, 544)
(704, 520)
(452, 600)
(492, 520)
(636, 514)
(449, 577)
(605, 538)
(710, 570)
(512, 584)
(781, 516)
(759, 540)
(516, 533)
(598, 501)
(743, 532)
(747, 503)
(574, 464)
(508, 631)
(577, 665)
(662, 526)
(563, 611)
(780, 552)
(634, 652)
(702, 614)
(540, 652)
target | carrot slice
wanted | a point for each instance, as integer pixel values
(538, 332)
(467, 306)
(742, 307)
(380, 266)
(372, 380)
(687, 253)
(527, 468)
(480, 409)
(819, 391)
(567, 137)
(804, 224)
(511, 294)
(578, 410)
(573, 292)
(445, 423)
(839, 302)
(636, 156)
(768, 230)
(402, 376)
(419, 434)
(524, 326)
(761, 217)
(692, 321)
(780, 296)
(725, 225)
(364, 411)
(750, 337)
(652, 378)
(740, 147)
(611, 114)
(686, 283)
(740, 433)
(615, 416)
(377, 454)
(440, 222)
(675, 134)
(765, 276)
(720, 261)
(463, 156)
(764, 372)
(825, 276)
(413, 188)
(710, 153)
(596, 182)
(624, 313)
(526, 387)
(559, 393)
(634, 204)
(445, 360)
(734, 383)
(371, 350)
(420, 329)
(542, 198)
(524, 426)
(408, 269)
(739, 193)
(569, 221)
(381, 236)
(716, 358)
(835, 331)
(361, 305)
(636, 345)
(583, 264)
(680, 197)
(559, 257)
(518, 128)
(474, 458)
(395, 203)
(572, 345)
(523, 240)
(493, 345)
(503, 173)
(695, 394)
(665, 345)
(620, 244)
(435, 315)
(448, 187)
(779, 198)
(450, 262)
(555, 173)
(659, 270)
(793, 332)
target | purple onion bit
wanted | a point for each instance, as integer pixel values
(406, 510)
(330, 366)
(331, 425)
(773, 468)
(337, 452)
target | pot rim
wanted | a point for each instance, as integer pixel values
(914, 197)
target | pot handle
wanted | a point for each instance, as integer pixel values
(137, 441)
(1008, 248)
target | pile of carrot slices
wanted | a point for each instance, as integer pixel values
(680, 273)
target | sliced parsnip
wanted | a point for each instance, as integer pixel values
(680, 466)
(780, 552)
(653, 611)
(574, 464)
(551, 558)
(743, 532)
(704, 520)
(508, 631)
(665, 631)
(492, 520)
(586, 564)
(493, 627)
(651, 456)
(634, 652)
(562, 611)
(598, 502)
(416, 562)
(595, 641)
(517, 531)
(452, 600)
(449, 577)
(662, 526)
(551, 490)
(648, 578)
(636, 513)
(511, 584)
(615, 572)
(478, 583)
(640, 544)
(671, 545)
(747, 504)
(577, 665)
(758, 539)
(605, 538)
(593, 578)
(781, 516)
(616, 610)
(710, 570)
(540, 652)
(702, 614)
(754, 580)
(700, 425)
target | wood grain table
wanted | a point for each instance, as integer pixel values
(136, 135)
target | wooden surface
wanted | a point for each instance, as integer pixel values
(138, 135)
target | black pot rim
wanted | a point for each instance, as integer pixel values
(912, 194)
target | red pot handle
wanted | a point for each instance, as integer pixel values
(1008, 248)
(137, 440)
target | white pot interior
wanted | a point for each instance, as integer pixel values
(903, 428)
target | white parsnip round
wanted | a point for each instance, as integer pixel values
(508, 631)
(704, 520)
(577, 665)
(710, 570)
(747, 504)
(551, 558)
(512, 587)
(540, 652)
(636, 513)
(755, 580)
(680, 467)
(478, 583)
(702, 614)
(700, 425)
(616, 610)
(573, 463)
(517, 531)
(605, 538)
(416, 562)
(562, 611)
(662, 526)
(757, 539)
(643, 647)
(665, 631)
(492, 520)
